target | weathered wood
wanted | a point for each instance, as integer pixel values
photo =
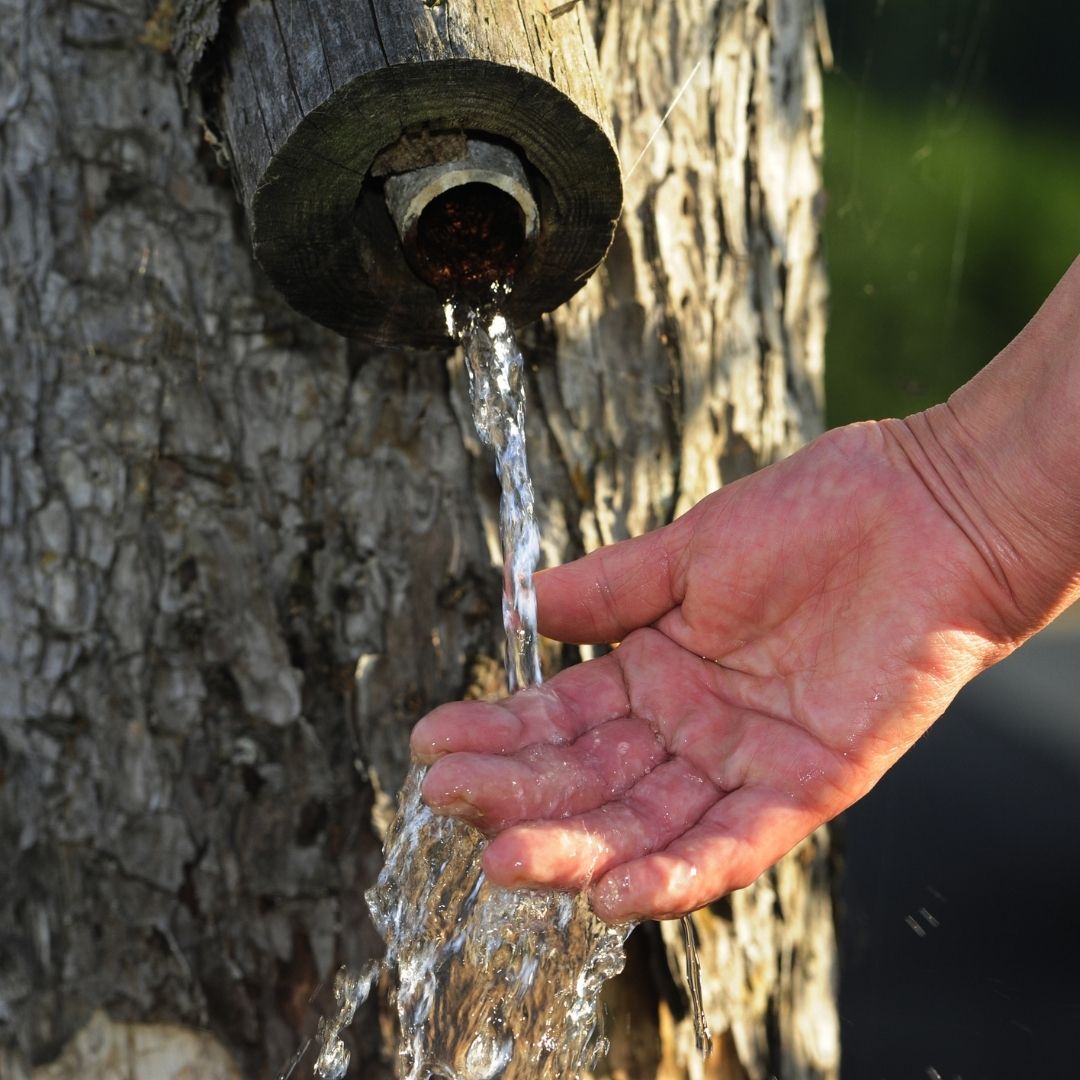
(240, 556)
(315, 92)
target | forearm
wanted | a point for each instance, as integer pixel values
(1005, 455)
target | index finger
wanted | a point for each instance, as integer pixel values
(561, 710)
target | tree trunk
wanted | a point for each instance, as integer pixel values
(241, 555)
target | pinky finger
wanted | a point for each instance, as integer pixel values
(732, 845)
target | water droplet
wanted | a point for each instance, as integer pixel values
(486, 1057)
(915, 925)
(333, 1061)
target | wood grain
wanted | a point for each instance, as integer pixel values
(315, 92)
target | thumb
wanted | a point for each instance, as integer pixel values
(616, 589)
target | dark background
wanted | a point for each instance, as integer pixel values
(953, 176)
(960, 939)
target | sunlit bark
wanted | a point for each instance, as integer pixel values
(240, 556)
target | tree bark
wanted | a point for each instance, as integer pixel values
(239, 556)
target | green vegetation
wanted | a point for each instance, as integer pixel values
(944, 232)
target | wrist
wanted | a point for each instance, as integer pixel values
(1002, 456)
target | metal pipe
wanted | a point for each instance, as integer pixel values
(467, 223)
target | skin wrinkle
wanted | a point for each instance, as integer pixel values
(539, 764)
(607, 595)
(804, 729)
(819, 601)
(637, 707)
(798, 716)
(839, 762)
(1037, 376)
(549, 690)
(602, 782)
(1028, 523)
(923, 466)
(678, 566)
(643, 813)
(617, 792)
(951, 448)
(803, 726)
(670, 870)
(800, 691)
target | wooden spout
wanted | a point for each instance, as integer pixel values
(327, 101)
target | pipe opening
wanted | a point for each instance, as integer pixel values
(467, 223)
(470, 237)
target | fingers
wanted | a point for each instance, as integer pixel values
(544, 780)
(559, 711)
(605, 595)
(735, 842)
(571, 853)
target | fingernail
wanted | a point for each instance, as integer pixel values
(616, 919)
(604, 900)
(456, 808)
(423, 747)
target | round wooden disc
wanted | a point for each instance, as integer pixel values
(320, 225)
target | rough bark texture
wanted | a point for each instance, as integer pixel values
(239, 556)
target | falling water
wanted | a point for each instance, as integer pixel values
(702, 1036)
(350, 992)
(497, 392)
(490, 982)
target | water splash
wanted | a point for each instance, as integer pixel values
(490, 982)
(350, 992)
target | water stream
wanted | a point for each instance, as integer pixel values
(497, 391)
(489, 982)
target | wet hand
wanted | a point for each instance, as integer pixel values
(782, 644)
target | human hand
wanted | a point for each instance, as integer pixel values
(783, 643)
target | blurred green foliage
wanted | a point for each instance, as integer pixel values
(951, 212)
(941, 244)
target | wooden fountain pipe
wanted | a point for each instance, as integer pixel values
(329, 105)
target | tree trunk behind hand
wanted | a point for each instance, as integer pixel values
(240, 556)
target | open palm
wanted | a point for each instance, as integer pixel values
(782, 644)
